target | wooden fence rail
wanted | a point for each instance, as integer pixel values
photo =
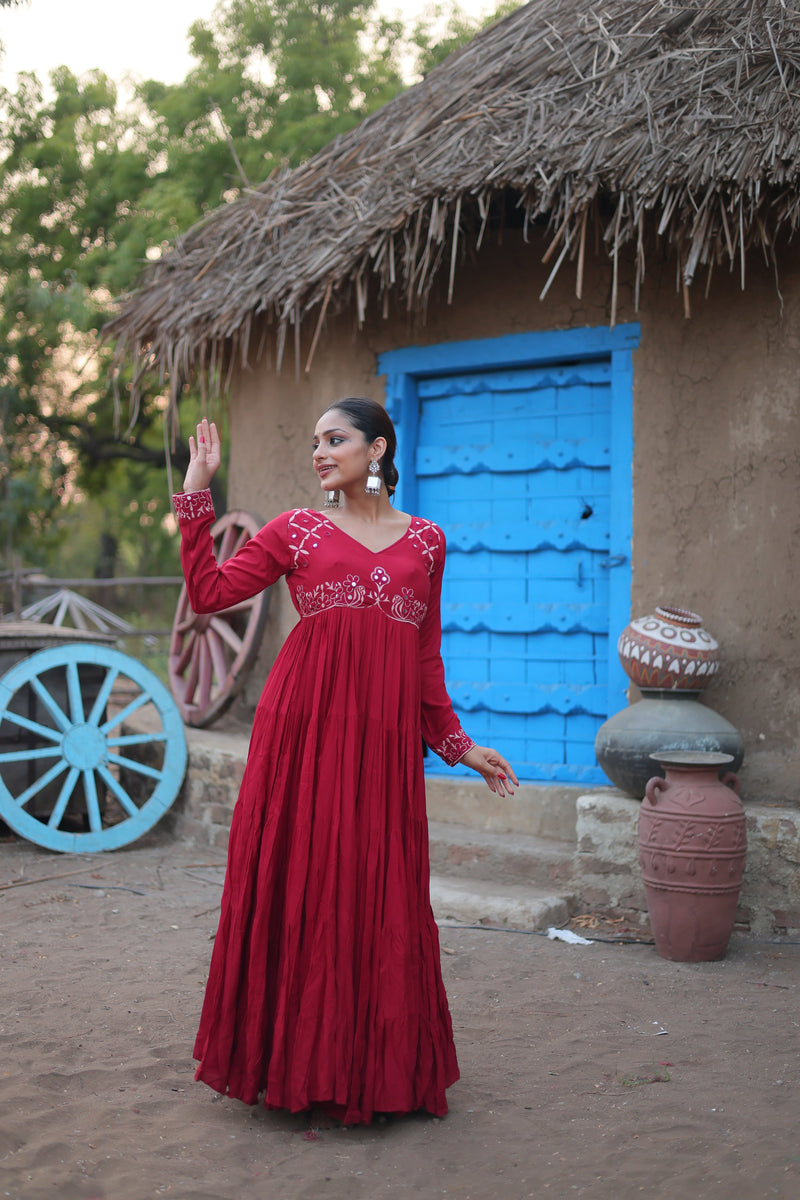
(27, 579)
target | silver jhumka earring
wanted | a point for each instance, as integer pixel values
(331, 499)
(373, 484)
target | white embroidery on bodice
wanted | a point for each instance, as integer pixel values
(427, 537)
(305, 529)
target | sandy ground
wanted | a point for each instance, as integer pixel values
(600, 1070)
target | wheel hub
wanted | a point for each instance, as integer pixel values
(84, 747)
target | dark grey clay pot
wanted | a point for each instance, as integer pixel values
(661, 721)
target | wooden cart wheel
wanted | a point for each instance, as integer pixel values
(92, 748)
(211, 655)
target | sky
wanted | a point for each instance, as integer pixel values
(146, 39)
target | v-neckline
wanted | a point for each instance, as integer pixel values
(368, 549)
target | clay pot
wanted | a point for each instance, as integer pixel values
(692, 845)
(669, 650)
(671, 720)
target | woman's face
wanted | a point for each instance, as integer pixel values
(341, 452)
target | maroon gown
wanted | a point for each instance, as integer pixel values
(325, 986)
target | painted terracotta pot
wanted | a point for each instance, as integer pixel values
(692, 846)
(669, 650)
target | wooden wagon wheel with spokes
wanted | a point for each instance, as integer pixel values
(92, 748)
(211, 654)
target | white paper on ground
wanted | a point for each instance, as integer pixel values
(566, 935)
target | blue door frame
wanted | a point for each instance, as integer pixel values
(407, 371)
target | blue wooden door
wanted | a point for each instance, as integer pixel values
(519, 463)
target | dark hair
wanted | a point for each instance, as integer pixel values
(373, 421)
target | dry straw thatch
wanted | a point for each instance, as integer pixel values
(665, 117)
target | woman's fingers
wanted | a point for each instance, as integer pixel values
(507, 772)
(504, 770)
(505, 776)
(498, 774)
(209, 442)
(502, 785)
(205, 456)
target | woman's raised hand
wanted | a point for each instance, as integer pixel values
(498, 775)
(205, 456)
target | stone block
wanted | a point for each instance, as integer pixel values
(607, 859)
(219, 837)
(536, 810)
(218, 814)
(191, 831)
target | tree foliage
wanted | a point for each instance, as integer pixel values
(93, 183)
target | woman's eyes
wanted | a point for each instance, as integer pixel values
(335, 440)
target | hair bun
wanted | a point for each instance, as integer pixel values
(390, 476)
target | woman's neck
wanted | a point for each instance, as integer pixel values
(369, 510)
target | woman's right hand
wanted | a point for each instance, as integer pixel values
(205, 456)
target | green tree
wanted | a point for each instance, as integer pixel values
(445, 28)
(70, 165)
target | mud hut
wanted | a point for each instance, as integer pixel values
(565, 261)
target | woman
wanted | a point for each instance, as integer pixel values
(325, 987)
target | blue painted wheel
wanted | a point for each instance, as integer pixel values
(92, 748)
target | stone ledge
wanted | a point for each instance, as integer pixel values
(461, 851)
(535, 810)
(202, 811)
(607, 861)
(488, 903)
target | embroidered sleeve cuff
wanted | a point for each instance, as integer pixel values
(190, 505)
(454, 746)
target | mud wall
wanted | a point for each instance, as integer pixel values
(717, 452)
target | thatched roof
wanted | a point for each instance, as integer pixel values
(671, 118)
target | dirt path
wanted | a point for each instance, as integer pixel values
(600, 1071)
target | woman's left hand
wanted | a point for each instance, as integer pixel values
(496, 772)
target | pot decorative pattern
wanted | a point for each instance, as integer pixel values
(669, 650)
(692, 847)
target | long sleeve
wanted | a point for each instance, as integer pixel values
(213, 587)
(441, 727)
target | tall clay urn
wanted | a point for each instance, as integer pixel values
(692, 844)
